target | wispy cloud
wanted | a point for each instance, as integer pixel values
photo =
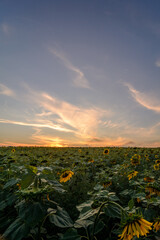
(4, 90)
(48, 140)
(53, 113)
(146, 100)
(80, 80)
(38, 125)
(84, 121)
(157, 63)
(16, 144)
(120, 141)
(6, 28)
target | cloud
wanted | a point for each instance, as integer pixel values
(84, 121)
(4, 90)
(119, 141)
(157, 63)
(15, 144)
(38, 125)
(146, 100)
(53, 113)
(111, 124)
(80, 80)
(5, 28)
(130, 143)
(45, 140)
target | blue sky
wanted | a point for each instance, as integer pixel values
(80, 73)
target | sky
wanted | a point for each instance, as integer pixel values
(80, 73)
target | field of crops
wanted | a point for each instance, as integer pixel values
(79, 193)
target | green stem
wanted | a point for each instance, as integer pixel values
(102, 205)
(84, 237)
(96, 219)
(118, 206)
(88, 236)
(45, 219)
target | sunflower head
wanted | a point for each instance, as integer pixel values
(13, 150)
(106, 151)
(156, 167)
(107, 184)
(156, 225)
(66, 175)
(135, 160)
(132, 175)
(135, 225)
(91, 161)
(157, 161)
(152, 189)
(148, 179)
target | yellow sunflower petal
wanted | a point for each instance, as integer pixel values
(124, 231)
(138, 228)
(145, 222)
(135, 230)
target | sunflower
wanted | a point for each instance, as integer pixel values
(138, 200)
(153, 190)
(132, 174)
(107, 184)
(137, 227)
(66, 175)
(135, 160)
(157, 161)
(148, 179)
(106, 151)
(13, 150)
(156, 167)
(19, 186)
(91, 161)
(156, 225)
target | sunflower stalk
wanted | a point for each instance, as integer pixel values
(100, 209)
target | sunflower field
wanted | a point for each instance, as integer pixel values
(79, 193)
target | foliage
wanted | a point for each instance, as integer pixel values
(102, 190)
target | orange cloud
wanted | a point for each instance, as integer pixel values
(4, 90)
(53, 126)
(84, 121)
(146, 100)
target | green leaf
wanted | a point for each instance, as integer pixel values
(86, 218)
(61, 218)
(17, 230)
(33, 169)
(71, 234)
(83, 223)
(27, 180)
(131, 204)
(10, 183)
(99, 227)
(3, 205)
(113, 211)
(32, 213)
(86, 205)
(88, 214)
(8, 201)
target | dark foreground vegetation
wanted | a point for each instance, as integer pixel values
(79, 193)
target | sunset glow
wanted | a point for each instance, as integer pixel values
(80, 73)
